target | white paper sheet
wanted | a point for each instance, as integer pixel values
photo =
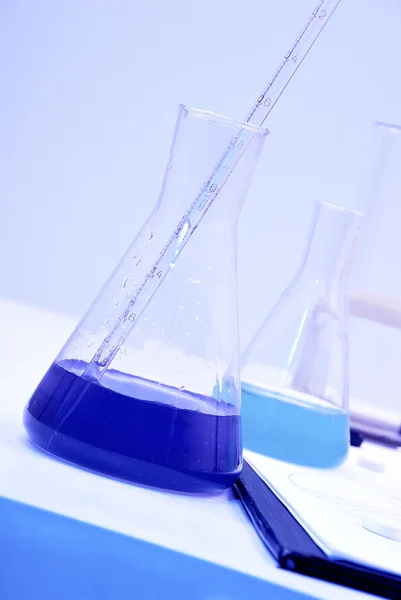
(332, 504)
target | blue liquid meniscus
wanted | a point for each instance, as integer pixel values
(136, 429)
(305, 431)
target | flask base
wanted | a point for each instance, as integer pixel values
(143, 441)
(293, 431)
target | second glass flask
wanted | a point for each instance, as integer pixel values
(294, 372)
(163, 408)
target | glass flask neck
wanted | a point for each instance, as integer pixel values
(328, 253)
(374, 269)
(215, 144)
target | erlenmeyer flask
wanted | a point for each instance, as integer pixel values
(165, 411)
(294, 372)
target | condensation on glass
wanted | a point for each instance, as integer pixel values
(147, 387)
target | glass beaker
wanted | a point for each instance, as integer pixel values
(294, 373)
(166, 410)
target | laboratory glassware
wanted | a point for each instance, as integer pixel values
(294, 372)
(157, 262)
(375, 295)
(166, 410)
(190, 219)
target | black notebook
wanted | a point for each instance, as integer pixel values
(295, 550)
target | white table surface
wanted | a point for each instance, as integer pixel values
(215, 530)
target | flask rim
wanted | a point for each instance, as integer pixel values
(389, 126)
(337, 208)
(225, 121)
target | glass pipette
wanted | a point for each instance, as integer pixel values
(199, 207)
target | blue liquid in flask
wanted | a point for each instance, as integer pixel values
(136, 430)
(301, 430)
